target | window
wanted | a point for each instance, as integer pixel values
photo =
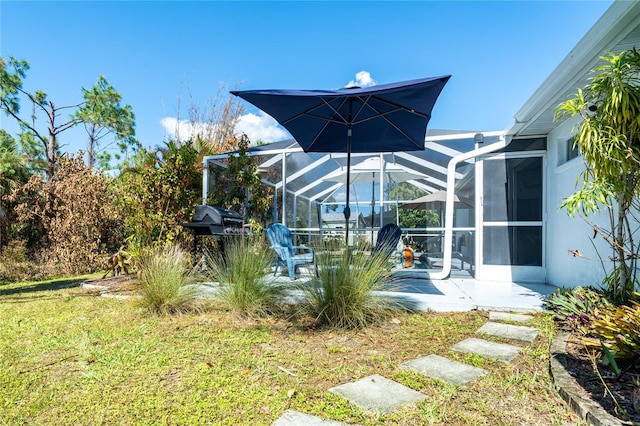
(571, 149)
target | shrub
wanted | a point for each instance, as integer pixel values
(344, 295)
(14, 264)
(599, 323)
(121, 262)
(168, 282)
(243, 276)
(157, 192)
(575, 309)
(618, 328)
(77, 211)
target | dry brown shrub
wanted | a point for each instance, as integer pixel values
(78, 212)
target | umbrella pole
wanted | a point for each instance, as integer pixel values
(347, 210)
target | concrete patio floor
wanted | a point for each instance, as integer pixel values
(453, 295)
(462, 294)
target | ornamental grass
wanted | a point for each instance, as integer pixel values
(347, 292)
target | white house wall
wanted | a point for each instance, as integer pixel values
(563, 232)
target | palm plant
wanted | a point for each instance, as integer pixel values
(609, 140)
(345, 295)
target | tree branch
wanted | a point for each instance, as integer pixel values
(69, 124)
(23, 123)
(32, 99)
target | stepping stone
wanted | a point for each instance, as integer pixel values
(451, 372)
(296, 418)
(500, 351)
(508, 331)
(504, 316)
(376, 393)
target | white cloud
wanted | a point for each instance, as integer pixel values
(183, 130)
(261, 127)
(363, 79)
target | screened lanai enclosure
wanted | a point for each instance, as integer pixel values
(432, 195)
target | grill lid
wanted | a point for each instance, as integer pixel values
(209, 220)
(215, 215)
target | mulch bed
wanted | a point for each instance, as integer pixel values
(625, 390)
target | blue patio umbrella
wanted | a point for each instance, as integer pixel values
(384, 118)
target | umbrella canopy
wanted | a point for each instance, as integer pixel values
(383, 118)
(435, 201)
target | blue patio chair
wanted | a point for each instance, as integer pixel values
(388, 238)
(280, 239)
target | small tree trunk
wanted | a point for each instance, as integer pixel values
(91, 147)
(620, 251)
(51, 144)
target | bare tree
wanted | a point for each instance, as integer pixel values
(11, 89)
(211, 126)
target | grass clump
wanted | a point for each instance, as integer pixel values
(243, 277)
(168, 282)
(345, 296)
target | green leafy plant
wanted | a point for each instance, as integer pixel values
(238, 186)
(158, 191)
(618, 329)
(345, 296)
(611, 288)
(256, 227)
(244, 278)
(575, 309)
(119, 263)
(169, 282)
(611, 360)
(607, 136)
(103, 115)
(14, 264)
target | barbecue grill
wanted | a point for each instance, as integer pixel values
(209, 220)
(217, 222)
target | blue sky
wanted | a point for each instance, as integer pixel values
(162, 54)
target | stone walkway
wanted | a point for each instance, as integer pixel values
(378, 394)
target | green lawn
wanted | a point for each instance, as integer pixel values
(70, 357)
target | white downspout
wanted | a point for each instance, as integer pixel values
(205, 180)
(449, 206)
